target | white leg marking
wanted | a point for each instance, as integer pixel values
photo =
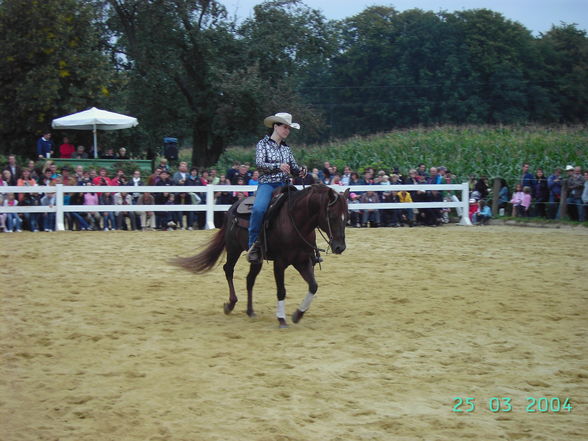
(306, 302)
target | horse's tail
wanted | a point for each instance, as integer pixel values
(206, 259)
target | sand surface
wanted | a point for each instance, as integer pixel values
(102, 340)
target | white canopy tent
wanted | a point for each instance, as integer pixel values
(95, 119)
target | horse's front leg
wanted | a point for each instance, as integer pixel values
(306, 270)
(254, 270)
(281, 309)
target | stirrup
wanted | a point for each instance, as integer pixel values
(254, 253)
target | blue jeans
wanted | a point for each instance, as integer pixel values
(263, 197)
(13, 221)
(49, 221)
(579, 207)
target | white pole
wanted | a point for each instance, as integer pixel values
(210, 207)
(59, 224)
(95, 143)
(465, 200)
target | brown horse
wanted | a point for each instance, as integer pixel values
(291, 240)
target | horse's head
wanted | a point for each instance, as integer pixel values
(335, 220)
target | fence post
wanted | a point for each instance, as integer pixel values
(209, 207)
(59, 224)
(495, 194)
(465, 201)
(563, 200)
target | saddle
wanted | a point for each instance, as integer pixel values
(242, 214)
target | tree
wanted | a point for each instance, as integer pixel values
(51, 64)
(564, 51)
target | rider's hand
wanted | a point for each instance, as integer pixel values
(285, 168)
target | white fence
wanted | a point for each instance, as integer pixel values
(210, 206)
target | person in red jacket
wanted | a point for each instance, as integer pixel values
(66, 149)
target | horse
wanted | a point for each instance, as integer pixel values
(290, 239)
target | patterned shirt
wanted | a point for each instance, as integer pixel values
(268, 157)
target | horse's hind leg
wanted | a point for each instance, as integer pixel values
(306, 270)
(229, 267)
(254, 270)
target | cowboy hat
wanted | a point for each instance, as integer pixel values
(282, 118)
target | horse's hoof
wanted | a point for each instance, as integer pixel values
(252, 314)
(298, 314)
(228, 307)
(283, 323)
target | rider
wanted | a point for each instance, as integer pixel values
(275, 163)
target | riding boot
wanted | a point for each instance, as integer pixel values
(254, 253)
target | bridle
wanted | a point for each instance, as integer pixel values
(329, 231)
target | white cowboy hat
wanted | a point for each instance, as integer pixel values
(282, 118)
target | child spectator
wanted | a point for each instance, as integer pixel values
(483, 214)
(354, 213)
(517, 200)
(13, 220)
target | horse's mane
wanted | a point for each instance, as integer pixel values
(295, 196)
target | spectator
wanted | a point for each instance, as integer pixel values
(75, 217)
(13, 220)
(93, 199)
(66, 149)
(29, 200)
(370, 215)
(240, 174)
(14, 170)
(109, 219)
(147, 218)
(48, 218)
(80, 153)
(254, 178)
(540, 193)
(481, 187)
(45, 146)
(527, 179)
(123, 154)
(517, 200)
(119, 178)
(231, 172)
(2, 215)
(163, 164)
(354, 213)
(6, 177)
(503, 198)
(422, 170)
(346, 176)
(123, 198)
(66, 176)
(180, 177)
(406, 214)
(554, 184)
(483, 215)
(215, 179)
(585, 193)
(102, 178)
(108, 154)
(575, 189)
(136, 181)
(164, 219)
(390, 217)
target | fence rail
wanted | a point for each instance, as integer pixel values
(210, 206)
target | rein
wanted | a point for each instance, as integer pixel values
(316, 249)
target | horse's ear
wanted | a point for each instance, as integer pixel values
(346, 194)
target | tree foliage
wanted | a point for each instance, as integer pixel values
(51, 64)
(185, 69)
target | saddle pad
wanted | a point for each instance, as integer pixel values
(246, 205)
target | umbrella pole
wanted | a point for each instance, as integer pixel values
(95, 143)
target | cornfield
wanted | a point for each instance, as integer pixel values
(489, 151)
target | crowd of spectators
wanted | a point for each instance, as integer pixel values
(533, 195)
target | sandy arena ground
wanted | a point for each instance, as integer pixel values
(102, 340)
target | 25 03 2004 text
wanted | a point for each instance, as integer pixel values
(506, 404)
